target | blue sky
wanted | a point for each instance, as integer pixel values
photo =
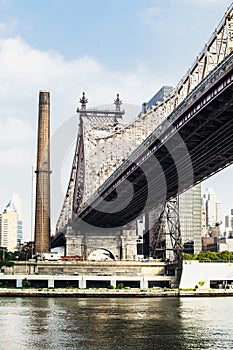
(99, 46)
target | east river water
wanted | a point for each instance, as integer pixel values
(116, 323)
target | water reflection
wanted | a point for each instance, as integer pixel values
(116, 323)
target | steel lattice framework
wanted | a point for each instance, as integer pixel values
(167, 235)
(81, 189)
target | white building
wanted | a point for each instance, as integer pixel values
(226, 245)
(213, 208)
(206, 274)
(9, 228)
(229, 223)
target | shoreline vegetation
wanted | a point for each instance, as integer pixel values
(112, 293)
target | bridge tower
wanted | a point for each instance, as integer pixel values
(98, 153)
(42, 210)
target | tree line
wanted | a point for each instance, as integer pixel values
(22, 253)
(210, 256)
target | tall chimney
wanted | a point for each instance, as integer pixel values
(42, 210)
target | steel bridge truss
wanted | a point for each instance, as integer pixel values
(215, 51)
(166, 237)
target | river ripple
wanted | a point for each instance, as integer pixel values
(116, 323)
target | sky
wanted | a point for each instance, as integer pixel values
(104, 47)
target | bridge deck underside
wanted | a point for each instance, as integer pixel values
(202, 145)
(211, 144)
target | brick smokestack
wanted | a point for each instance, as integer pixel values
(42, 209)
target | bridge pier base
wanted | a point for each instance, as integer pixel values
(121, 244)
(128, 242)
(73, 243)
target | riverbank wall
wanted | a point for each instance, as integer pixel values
(84, 274)
(111, 274)
(111, 293)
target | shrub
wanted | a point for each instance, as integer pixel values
(111, 287)
(6, 263)
(201, 283)
(26, 283)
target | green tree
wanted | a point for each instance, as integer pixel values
(210, 256)
(6, 263)
(187, 256)
(24, 252)
(26, 283)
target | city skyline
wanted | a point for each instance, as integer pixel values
(49, 46)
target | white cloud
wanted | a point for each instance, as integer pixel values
(15, 131)
(7, 27)
(14, 158)
(25, 70)
(16, 140)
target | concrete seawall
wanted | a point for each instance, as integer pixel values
(84, 274)
(111, 293)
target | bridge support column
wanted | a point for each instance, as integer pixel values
(73, 243)
(129, 242)
(123, 248)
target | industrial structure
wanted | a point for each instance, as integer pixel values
(122, 172)
(42, 208)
